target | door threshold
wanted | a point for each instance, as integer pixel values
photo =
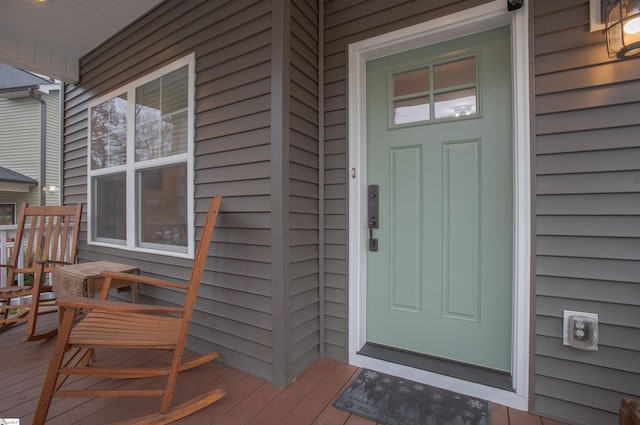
(466, 372)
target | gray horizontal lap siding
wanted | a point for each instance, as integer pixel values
(231, 40)
(304, 184)
(587, 216)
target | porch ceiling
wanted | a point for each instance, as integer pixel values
(49, 37)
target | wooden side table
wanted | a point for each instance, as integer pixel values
(84, 279)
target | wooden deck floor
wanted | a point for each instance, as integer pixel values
(248, 401)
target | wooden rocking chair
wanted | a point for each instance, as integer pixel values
(126, 325)
(46, 237)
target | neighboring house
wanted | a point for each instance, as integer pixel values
(24, 137)
(291, 108)
(12, 184)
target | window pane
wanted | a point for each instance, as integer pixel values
(457, 103)
(452, 74)
(174, 91)
(174, 133)
(161, 116)
(109, 133)
(411, 110)
(109, 206)
(148, 121)
(162, 205)
(411, 82)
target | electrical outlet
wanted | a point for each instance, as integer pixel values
(580, 330)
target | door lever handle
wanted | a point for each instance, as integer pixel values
(372, 214)
(373, 242)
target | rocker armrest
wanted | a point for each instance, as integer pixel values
(56, 262)
(142, 279)
(116, 306)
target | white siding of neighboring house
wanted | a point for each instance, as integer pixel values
(20, 144)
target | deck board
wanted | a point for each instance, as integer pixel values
(249, 407)
(291, 396)
(331, 416)
(499, 415)
(249, 400)
(523, 418)
(238, 391)
(322, 395)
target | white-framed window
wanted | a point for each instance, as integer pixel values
(140, 165)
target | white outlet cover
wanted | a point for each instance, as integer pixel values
(582, 319)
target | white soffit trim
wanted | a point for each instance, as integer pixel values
(37, 58)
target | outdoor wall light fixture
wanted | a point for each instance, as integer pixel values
(51, 189)
(622, 27)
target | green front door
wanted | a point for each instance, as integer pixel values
(439, 146)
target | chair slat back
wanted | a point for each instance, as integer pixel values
(44, 233)
(201, 258)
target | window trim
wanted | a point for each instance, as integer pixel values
(131, 167)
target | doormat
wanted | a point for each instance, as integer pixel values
(395, 401)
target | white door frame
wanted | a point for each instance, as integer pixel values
(467, 22)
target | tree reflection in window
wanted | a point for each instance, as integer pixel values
(161, 116)
(109, 133)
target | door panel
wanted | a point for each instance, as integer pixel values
(404, 219)
(461, 188)
(439, 145)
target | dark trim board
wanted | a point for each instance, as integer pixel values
(481, 375)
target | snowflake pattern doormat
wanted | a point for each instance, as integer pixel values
(396, 401)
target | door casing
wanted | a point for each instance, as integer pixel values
(467, 22)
